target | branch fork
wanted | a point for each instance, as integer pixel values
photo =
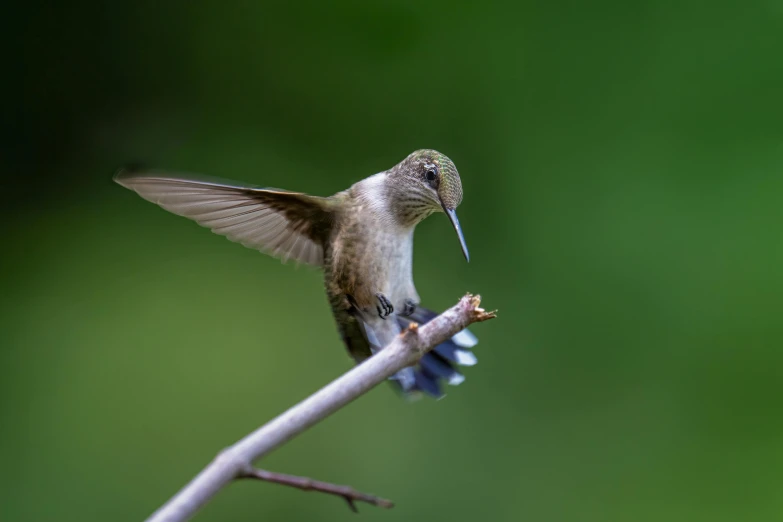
(235, 462)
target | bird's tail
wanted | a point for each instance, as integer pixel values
(440, 364)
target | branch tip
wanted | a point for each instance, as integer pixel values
(483, 315)
(474, 304)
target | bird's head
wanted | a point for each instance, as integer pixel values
(428, 182)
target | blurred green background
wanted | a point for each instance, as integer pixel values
(622, 173)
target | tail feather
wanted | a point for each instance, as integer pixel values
(440, 363)
(452, 352)
(427, 383)
(438, 367)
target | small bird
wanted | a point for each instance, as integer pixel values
(362, 237)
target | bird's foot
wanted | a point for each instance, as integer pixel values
(384, 307)
(408, 307)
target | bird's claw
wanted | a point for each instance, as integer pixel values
(384, 307)
(408, 307)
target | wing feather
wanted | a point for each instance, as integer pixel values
(287, 225)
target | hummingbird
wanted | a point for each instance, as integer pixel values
(361, 237)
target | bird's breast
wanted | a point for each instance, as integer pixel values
(399, 266)
(370, 257)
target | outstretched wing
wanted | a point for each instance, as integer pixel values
(287, 225)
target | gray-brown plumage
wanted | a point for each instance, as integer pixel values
(361, 237)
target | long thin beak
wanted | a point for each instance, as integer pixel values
(452, 213)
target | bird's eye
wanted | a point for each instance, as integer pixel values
(431, 175)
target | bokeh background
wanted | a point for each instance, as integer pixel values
(622, 172)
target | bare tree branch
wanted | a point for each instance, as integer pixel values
(236, 461)
(307, 484)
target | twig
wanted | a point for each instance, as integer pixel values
(236, 460)
(307, 484)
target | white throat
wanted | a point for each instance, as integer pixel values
(374, 196)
